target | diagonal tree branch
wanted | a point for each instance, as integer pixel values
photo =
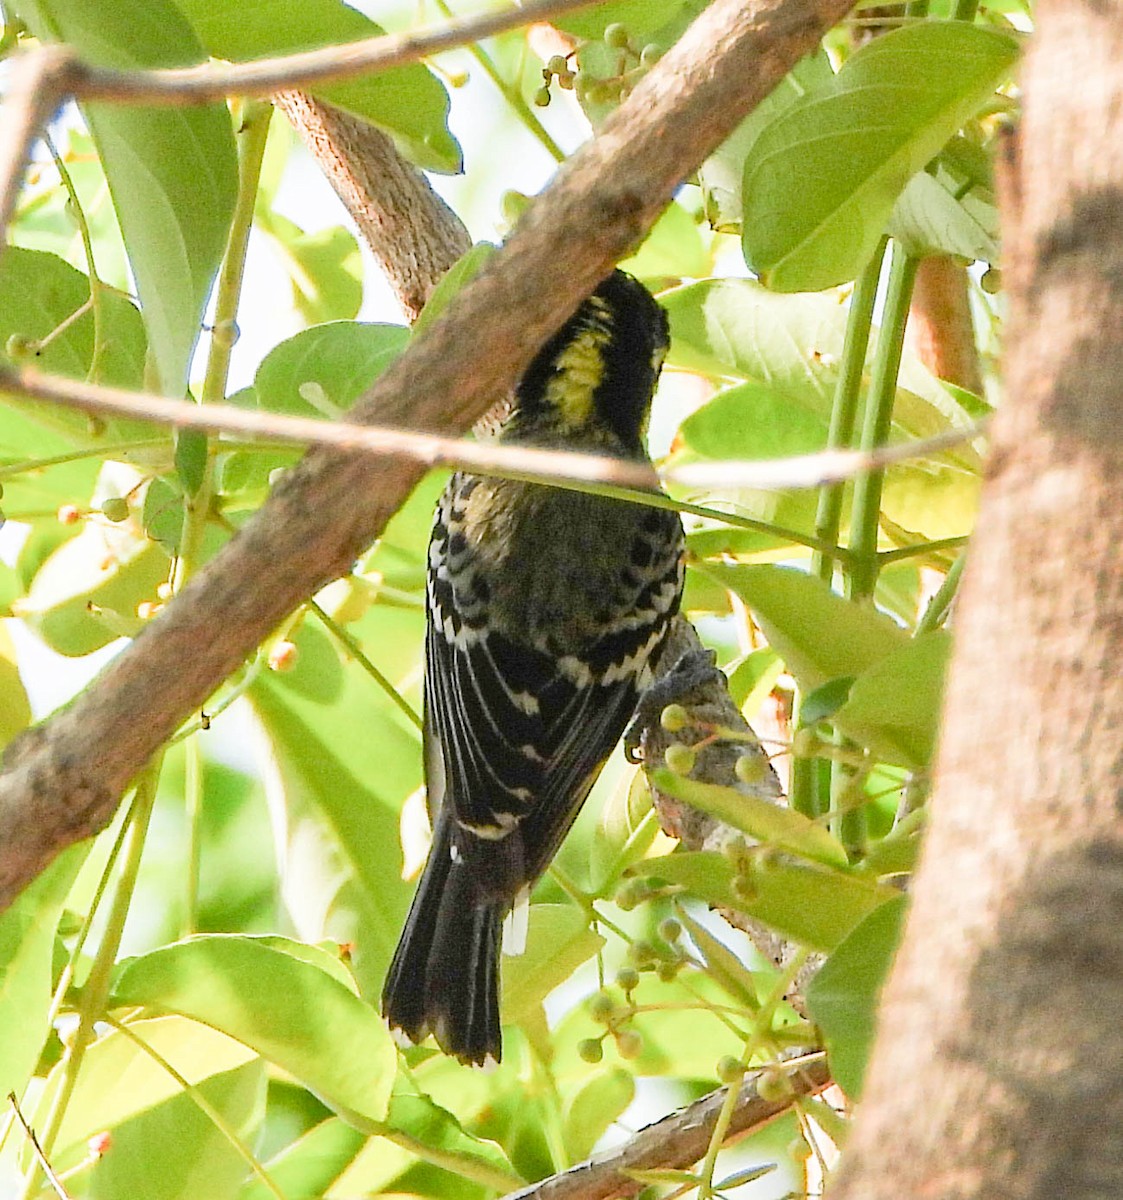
(677, 1140)
(61, 781)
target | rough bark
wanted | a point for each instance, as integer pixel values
(997, 1069)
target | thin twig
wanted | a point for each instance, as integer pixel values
(677, 1140)
(37, 1150)
(491, 458)
(264, 76)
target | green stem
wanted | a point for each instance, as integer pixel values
(866, 509)
(511, 94)
(193, 772)
(810, 789)
(965, 10)
(58, 460)
(844, 408)
(922, 549)
(203, 1104)
(759, 1034)
(91, 1004)
(88, 248)
(938, 606)
(356, 651)
(254, 132)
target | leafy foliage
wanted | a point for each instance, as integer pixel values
(211, 1008)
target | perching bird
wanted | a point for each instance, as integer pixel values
(547, 610)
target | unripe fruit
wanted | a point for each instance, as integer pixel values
(629, 1044)
(115, 508)
(590, 1050)
(750, 768)
(674, 717)
(680, 758)
(616, 36)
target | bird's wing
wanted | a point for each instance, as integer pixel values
(520, 742)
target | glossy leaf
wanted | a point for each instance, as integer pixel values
(813, 906)
(120, 1079)
(175, 1151)
(894, 707)
(27, 941)
(291, 1012)
(848, 149)
(600, 1102)
(818, 634)
(771, 823)
(306, 1168)
(172, 171)
(842, 997)
(408, 102)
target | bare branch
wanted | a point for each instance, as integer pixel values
(262, 77)
(62, 780)
(412, 232)
(677, 1140)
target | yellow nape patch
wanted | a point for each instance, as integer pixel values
(580, 369)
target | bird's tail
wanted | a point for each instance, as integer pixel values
(444, 976)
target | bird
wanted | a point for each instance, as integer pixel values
(546, 610)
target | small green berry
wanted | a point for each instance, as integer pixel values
(590, 1050)
(602, 1007)
(616, 36)
(627, 978)
(674, 717)
(650, 55)
(565, 81)
(641, 954)
(670, 930)
(729, 1069)
(680, 758)
(805, 744)
(20, 346)
(668, 971)
(542, 97)
(115, 508)
(991, 282)
(629, 1043)
(558, 65)
(773, 1086)
(750, 768)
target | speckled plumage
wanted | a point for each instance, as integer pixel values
(546, 612)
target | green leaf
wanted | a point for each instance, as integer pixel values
(342, 761)
(600, 1101)
(86, 593)
(848, 149)
(325, 268)
(15, 711)
(672, 249)
(821, 703)
(818, 634)
(190, 458)
(120, 1080)
(558, 941)
(172, 172)
(176, 1152)
(27, 940)
(740, 1178)
(754, 677)
(408, 102)
(640, 17)
(721, 174)
(722, 964)
(322, 371)
(842, 997)
(771, 823)
(894, 707)
(753, 421)
(466, 267)
(306, 1168)
(291, 1012)
(813, 906)
(928, 219)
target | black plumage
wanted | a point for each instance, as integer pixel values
(546, 609)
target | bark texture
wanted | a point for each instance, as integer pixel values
(996, 1072)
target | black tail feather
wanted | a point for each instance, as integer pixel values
(444, 976)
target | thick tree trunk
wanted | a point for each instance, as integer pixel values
(997, 1070)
